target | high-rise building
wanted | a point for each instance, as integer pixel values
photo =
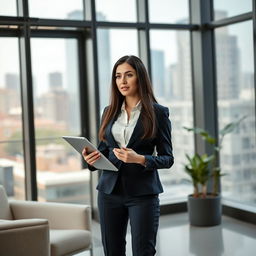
(170, 82)
(55, 81)
(55, 105)
(158, 73)
(104, 53)
(9, 100)
(238, 156)
(228, 66)
(227, 62)
(10, 95)
(183, 90)
(12, 82)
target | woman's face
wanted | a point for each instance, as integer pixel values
(126, 80)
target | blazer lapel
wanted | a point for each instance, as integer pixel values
(109, 134)
(135, 137)
(137, 132)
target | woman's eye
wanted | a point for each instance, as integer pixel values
(129, 75)
(117, 77)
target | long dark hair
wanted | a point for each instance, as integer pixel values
(145, 93)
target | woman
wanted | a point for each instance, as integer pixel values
(132, 127)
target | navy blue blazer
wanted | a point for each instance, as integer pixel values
(137, 179)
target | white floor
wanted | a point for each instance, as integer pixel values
(177, 238)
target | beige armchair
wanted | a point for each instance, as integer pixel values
(24, 237)
(39, 228)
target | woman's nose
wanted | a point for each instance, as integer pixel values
(124, 80)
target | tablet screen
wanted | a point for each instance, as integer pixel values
(79, 143)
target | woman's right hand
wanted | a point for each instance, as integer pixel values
(92, 157)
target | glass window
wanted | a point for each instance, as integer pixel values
(57, 113)
(246, 143)
(116, 10)
(235, 80)
(172, 83)
(11, 139)
(8, 8)
(57, 9)
(113, 44)
(166, 11)
(228, 8)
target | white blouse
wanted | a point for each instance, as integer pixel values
(123, 128)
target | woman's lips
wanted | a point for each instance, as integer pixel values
(124, 88)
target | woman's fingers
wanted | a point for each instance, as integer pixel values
(92, 157)
(121, 154)
(84, 152)
(118, 152)
(126, 155)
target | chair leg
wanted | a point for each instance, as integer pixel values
(91, 251)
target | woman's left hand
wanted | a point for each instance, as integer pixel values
(128, 155)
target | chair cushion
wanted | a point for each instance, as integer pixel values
(25, 237)
(68, 241)
(5, 212)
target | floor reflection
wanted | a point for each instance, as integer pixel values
(177, 238)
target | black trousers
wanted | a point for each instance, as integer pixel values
(115, 211)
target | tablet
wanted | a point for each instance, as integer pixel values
(79, 143)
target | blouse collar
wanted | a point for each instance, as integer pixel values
(137, 107)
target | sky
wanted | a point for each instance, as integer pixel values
(120, 40)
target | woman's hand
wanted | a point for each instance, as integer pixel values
(128, 155)
(92, 157)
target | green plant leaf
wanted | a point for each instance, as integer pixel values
(204, 134)
(230, 127)
(199, 166)
(210, 140)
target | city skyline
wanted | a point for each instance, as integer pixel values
(11, 63)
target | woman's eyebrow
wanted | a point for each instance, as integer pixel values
(125, 72)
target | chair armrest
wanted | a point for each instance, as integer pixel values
(24, 237)
(23, 223)
(59, 215)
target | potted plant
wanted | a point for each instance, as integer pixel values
(204, 205)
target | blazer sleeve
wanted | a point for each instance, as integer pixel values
(164, 158)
